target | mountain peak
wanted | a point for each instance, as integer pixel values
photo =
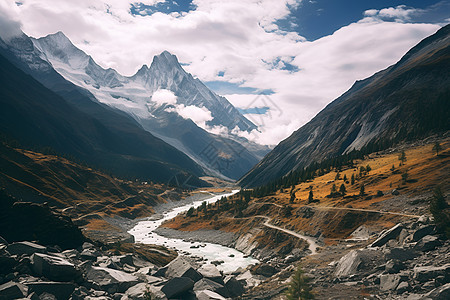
(165, 60)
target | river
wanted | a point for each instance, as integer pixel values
(232, 259)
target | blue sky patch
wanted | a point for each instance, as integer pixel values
(253, 110)
(166, 7)
(314, 19)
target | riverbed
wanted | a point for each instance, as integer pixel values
(232, 259)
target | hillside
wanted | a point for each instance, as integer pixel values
(267, 227)
(407, 101)
(89, 197)
(38, 118)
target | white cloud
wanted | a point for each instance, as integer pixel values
(10, 25)
(401, 13)
(239, 38)
(199, 115)
(163, 96)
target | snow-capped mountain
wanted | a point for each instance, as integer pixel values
(166, 101)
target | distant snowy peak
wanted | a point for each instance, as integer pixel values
(165, 72)
(62, 54)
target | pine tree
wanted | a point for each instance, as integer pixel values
(299, 288)
(368, 169)
(310, 196)
(342, 190)
(402, 157)
(362, 190)
(439, 210)
(345, 178)
(436, 148)
(352, 180)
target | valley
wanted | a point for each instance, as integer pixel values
(153, 186)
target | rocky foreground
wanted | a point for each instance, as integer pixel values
(408, 261)
(32, 271)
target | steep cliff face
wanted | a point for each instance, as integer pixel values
(406, 101)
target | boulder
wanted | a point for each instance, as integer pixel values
(394, 266)
(421, 232)
(137, 291)
(12, 290)
(426, 273)
(389, 282)
(90, 254)
(235, 288)
(402, 287)
(357, 260)
(265, 270)
(123, 259)
(400, 254)
(61, 290)
(207, 284)
(177, 287)
(110, 280)
(211, 272)
(6, 264)
(248, 279)
(427, 243)
(182, 267)
(388, 235)
(53, 267)
(27, 248)
(440, 293)
(208, 295)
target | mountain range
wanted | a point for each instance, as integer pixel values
(71, 123)
(406, 101)
(166, 101)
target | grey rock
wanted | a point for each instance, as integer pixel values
(400, 254)
(421, 232)
(389, 282)
(235, 287)
(12, 290)
(395, 192)
(426, 273)
(137, 292)
(61, 290)
(440, 293)
(182, 267)
(394, 266)
(177, 286)
(123, 259)
(265, 270)
(211, 272)
(6, 263)
(27, 248)
(161, 272)
(90, 254)
(208, 295)
(389, 234)
(357, 260)
(427, 243)
(53, 267)
(47, 296)
(402, 287)
(207, 284)
(110, 280)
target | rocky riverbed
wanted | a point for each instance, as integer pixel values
(29, 270)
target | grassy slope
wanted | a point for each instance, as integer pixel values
(425, 171)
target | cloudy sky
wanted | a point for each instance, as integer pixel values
(301, 54)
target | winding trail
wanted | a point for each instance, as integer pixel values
(361, 209)
(311, 241)
(345, 208)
